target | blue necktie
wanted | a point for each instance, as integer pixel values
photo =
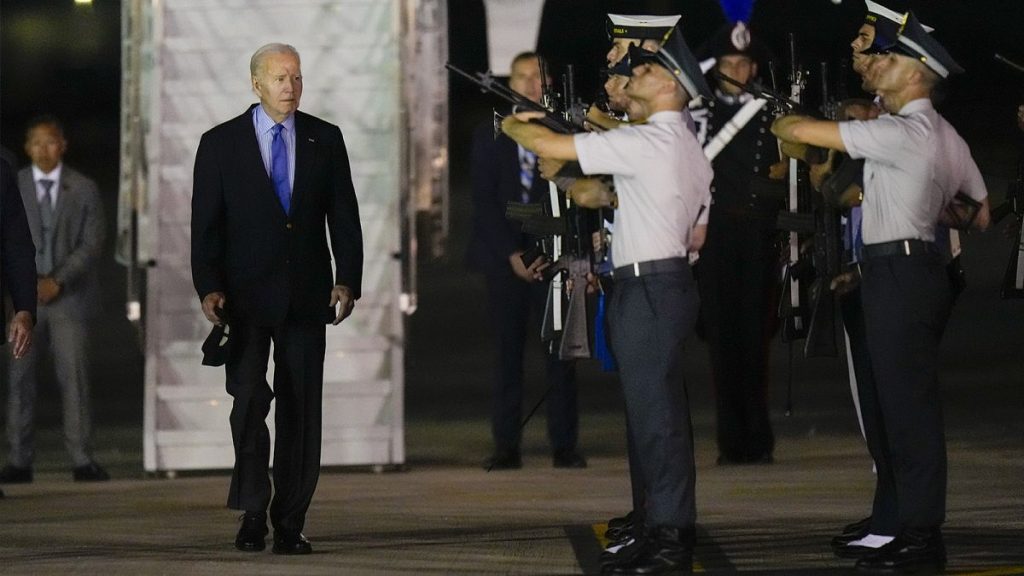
(857, 218)
(527, 160)
(279, 168)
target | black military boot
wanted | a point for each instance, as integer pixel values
(667, 550)
(623, 550)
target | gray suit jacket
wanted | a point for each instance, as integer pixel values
(77, 245)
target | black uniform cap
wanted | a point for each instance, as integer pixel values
(676, 57)
(887, 24)
(915, 42)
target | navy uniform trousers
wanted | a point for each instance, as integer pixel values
(649, 319)
(907, 300)
(884, 520)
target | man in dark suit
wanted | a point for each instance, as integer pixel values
(65, 216)
(504, 172)
(17, 265)
(264, 185)
(18, 272)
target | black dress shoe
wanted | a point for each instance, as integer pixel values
(621, 551)
(91, 472)
(568, 459)
(620, 520)
(912, 551)
(291, 543)
(851, 552)
(250, 535)
(851, 533)
(15, 475)
(666, 550)
(623, 530)
(504, 460)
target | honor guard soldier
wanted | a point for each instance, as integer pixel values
(879, 32)
(915, 163)
(663, 182)
(647, 32)
(738, 269)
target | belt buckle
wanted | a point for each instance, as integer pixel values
(636, 269)
(906, 247)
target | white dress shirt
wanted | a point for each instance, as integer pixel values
(915, 162)
(663, 181)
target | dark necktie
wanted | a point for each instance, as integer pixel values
(45, 260)
(279, 168)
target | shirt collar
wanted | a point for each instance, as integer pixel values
(665, 116)
(264, 122)
(54, 174)
(915, 106)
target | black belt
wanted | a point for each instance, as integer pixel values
(638, 269)
(910, 247)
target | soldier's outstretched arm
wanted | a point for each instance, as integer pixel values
(538, 139)
(807, 130)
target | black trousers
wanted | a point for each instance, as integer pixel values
(650, 317)
(298, 388)
(737, 277)
(513, 305)
(884, 513)
(907, 300)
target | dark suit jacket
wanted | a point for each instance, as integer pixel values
(78, 241)
(17, 252)
(272, 266)
(494, 172)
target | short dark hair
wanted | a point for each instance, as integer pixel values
(523, 56)
(44, 120)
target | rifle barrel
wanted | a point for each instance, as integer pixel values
(1010, 63)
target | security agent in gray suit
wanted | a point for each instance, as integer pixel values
(65, 217)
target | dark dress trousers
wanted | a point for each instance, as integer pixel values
(884, 510)
(511, 301)
(906, 302)
(275, 270)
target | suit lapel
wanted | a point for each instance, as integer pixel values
(251, 159)
(64, 197)
(31, 201)
(304, 152)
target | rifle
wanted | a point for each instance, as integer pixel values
(827, 258)
(563, 231)
(808, 305)
(791, 308)
(561, 123)
(1013, 280)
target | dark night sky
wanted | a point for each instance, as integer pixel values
(59, 57)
